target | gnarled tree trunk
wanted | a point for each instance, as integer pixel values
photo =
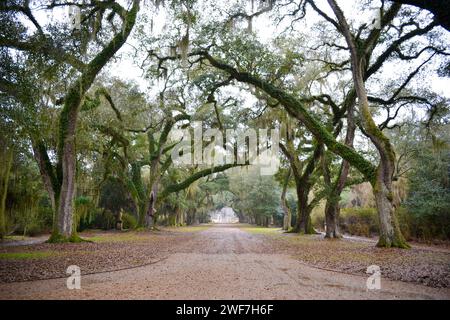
(47, 174)
(390, 235)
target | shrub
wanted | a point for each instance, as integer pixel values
(28, 222)
(359, 221)
(405, 221)
(129, 221)
(424, 227)
(46, 216)
(105, 220)
(85, 213)
(34, 229)
(428, 202)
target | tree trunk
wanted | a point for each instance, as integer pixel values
(49, 178)
(150, 214)
(194, 219)
(41, 157)
(287, 219)
(287, 212)
(302, 178)
(390, 234)
(332, 211)
(119, 221)
(304, 225)
(66, 197)
(136, 190)
(4, 188)
(172, 221)
(180, 217)
(142, 210)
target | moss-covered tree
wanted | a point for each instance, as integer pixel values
(60, 180)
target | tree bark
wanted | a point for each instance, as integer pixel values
(390, 234)
(6, 170)
(48, 175)
(45, 169)
(304, 225)
(64, 226)
(332, 211)
(150, 215)
(287, 219)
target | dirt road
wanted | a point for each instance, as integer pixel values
(222, 262)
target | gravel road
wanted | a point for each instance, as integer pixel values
(222, 262)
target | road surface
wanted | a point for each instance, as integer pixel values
(222, 262)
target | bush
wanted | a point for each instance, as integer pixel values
(105, 220)
(30, 228)
(426, 227)
(34, 229)
(85, 213)
(405, 221)
(129, 221)
(359, 221)
(428, 203)
(29, 222)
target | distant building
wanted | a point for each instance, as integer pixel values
(224, 215)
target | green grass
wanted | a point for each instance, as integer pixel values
(16, 238)
(26, 255)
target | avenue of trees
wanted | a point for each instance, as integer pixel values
(84, 145)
